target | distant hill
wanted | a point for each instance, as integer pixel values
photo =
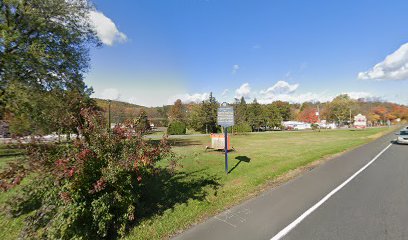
(120, 111)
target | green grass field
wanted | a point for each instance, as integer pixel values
(258, 160)
(200, 188)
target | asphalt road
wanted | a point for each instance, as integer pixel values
(342, 199)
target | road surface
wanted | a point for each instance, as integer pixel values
(362, 194)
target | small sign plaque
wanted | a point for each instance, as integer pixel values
(225, 116)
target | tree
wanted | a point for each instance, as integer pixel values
(284, 109)
(255, 115)
(44, 47)
(241, 111)
(142, 123)
(308, 115)
(177, 111)
(273, 116)
(382, 112)
(203, 117)
(339, 109)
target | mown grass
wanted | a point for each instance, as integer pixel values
(257, 160)
(200, 188)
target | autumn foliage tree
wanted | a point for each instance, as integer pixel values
(177, 112)
(308, 115)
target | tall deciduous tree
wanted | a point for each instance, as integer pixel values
(273, 116)
(339, 109)
(177, 111)
(284, 109)
(44, 48)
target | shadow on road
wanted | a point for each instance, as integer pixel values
(240, 159)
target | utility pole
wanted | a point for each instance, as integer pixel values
(109, 116)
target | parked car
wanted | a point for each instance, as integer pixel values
(403, 137)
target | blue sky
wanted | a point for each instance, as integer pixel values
(156, 51)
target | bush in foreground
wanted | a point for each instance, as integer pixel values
(91, 189)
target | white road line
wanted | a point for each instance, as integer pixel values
(288, 228)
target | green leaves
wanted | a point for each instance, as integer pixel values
(92, 189)
(44, 51)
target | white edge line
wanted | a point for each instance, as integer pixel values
(292, 225)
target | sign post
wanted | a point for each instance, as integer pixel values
(225, 118)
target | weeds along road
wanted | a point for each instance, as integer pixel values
(362, 194)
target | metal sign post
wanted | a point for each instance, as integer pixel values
(225, 118)
(226, 149)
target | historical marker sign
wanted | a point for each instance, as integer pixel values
(225, 116)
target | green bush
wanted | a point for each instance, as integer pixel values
(242, 128)
(91, 189)
(314, 126)
(176, 128)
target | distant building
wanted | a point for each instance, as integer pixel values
(360, 121)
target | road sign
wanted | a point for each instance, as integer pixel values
(225, 116)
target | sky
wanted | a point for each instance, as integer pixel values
(156, 51)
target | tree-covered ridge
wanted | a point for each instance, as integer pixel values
(254, 116)
(121, 111)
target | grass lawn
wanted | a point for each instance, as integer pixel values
(258, 160)
(200, 188)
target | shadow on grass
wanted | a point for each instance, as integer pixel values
(165, 190)
(160, 192)
(240, 159)
(178, 142)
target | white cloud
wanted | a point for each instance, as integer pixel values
(189, 98)
(286, 92)
(225, 92)
(357, 95)
(295, 98)
(235, 68)
(243, 91)
(110, 93)
(256, 46)
(106, 29)
(394, 67)
(281, 87)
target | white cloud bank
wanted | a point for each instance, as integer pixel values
(106, 29)
(281, 87)
(189, 98)
(243, 91)
(285, 91)
(394, 67)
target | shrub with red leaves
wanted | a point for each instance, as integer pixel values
(89, 189)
